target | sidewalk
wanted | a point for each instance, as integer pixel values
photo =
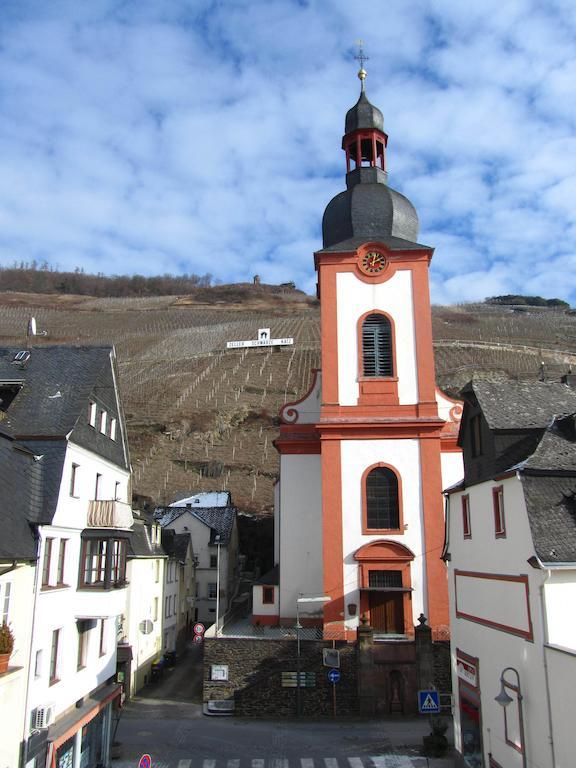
(405, 736)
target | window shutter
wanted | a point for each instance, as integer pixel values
(377, 346)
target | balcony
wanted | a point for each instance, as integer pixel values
(109, 514)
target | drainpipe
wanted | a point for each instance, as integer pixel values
(26, 721)
(545, 662)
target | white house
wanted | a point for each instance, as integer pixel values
(62, 404)
(179, 590)
(511, 551)
(17, 570)
(210, 519)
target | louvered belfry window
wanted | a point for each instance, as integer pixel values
(382, 509)
(377, 346)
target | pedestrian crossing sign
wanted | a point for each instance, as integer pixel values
(428, 702)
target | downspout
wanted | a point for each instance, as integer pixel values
(545, 662)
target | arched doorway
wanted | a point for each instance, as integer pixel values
(385, 586)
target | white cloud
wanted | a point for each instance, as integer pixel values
(197, 136)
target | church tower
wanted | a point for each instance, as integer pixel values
(380, 429)
(366, 453)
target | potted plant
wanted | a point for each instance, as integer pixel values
(436, 743)
(6, 646)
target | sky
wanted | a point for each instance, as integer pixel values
(204, 136)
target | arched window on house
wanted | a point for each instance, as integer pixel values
(377, 358)
(382, 506)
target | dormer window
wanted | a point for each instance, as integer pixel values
(92, 414)
(113, 428)
(8, 391)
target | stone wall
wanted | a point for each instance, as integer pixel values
(441, 660)
(255, 669)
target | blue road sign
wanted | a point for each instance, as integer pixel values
(334, 675)
(428, 702)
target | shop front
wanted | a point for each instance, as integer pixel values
(81, 738)
(470, 711)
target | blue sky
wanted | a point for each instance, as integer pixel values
(203, 136)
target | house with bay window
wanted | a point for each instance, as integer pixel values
(511, 553)
(61, 405)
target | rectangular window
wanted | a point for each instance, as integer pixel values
(476, 435)
(46, 562)
(5, 602)
(268, 595)
(212, 590)
(166, 607)
(98, 486)
(499, 521)
(117, 490)
(118, 561)
(103, 422)
(103, 629)
(213, 561)
(94, 561)
(155, 610)
(156, 571)
(466, 517)
(61, 562)
(82, 644)
(74, 481)
(113, 428)
(54, 656)
(92, 414)
(38, 665)
(385, 579)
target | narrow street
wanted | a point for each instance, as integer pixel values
(166, 721)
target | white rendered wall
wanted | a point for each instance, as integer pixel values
(13, 682)
(562, 674)
(497, 649)
(560, 592)
(144, 590)
(276, 522)
(301, 568)
(354, 299)
(404, 456)
(172, 599)
(264, 609)
(452, 468)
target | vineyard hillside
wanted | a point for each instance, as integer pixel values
(202, 417)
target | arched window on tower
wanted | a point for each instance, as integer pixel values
(382, 504)
(377, 358)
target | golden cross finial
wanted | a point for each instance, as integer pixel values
(361, 57)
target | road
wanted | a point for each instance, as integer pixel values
(166, 721)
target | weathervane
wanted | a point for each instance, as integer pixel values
(361, 57)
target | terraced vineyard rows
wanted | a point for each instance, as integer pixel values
(201, 417)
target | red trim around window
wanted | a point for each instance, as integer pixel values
(380, 390)
(267, 595)
(499, 520)
(365, 529)
(466, 517)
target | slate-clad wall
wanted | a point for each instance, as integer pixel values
(255, 673)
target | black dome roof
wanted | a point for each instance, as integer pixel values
(370, 211)
(364, 115)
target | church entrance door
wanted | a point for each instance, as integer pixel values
(387, 612)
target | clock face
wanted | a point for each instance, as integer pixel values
(373, 262)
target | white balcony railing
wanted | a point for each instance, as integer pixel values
(109, 514)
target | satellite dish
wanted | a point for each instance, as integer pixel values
(32, 327)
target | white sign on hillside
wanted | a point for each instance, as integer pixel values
(263, 340)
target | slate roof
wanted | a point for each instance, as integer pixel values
(220, 520)
(363, 115)
(20, 501)
(551, 507)
(271, 577)
(140, 542)
(176, 544)
(519, 405)
(57, 382)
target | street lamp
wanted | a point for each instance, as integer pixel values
(504, 699)
(217, 540)
(306, 600)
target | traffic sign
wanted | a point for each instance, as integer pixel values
(199, 629)
(334, 676)
(145, 762)
(198, 639)
(428, 702)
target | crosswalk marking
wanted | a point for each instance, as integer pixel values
(184, 763)
(330, 762)
(209, 764)
(375, 761)
(233, 764)
(392, 761)
(355, 762)
(258, 763)
(279, 762)
(307, 762)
